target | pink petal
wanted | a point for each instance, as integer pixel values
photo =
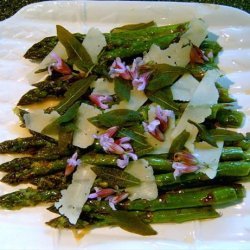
(122, 163)
(186, 158)
(181, 168)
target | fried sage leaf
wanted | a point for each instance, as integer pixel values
(77, 54)
(114, 176)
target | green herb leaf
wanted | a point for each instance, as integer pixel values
(122, 89)
(137, 26)
(114, 176)
(179, 142)
(118, 117)
(64, 120)
(75, 91)
(208, 45)
(77, 54)
(163, 75)
(132, 223)
(204, 134)
(139, 141)
(164, 98)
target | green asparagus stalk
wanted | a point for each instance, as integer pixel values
(133, 39)
(37, 168)
(46, 88)
(225, 169)
(20, 145)
(57, 181)
(229, 118)
(232, 154)
(27, 198)
(164, 216)
(220, 195)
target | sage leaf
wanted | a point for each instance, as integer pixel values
(118, 117)
(132, 223)
(164, 75)
(204, 134)
(178, 143)
(75, 91)
(114, 176)
(63, 120)
(137, 26)
(76, 52)
(139, 141)
(164, 98)
(122, 89)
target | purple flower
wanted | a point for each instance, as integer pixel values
(141, 81)
(124, 161)
(163, 116)
(72, 163)
(154, 130)
(101, 193)
(108, 143)
(59, 65)
(181, 168)
(114, 200)
(101, 100)
(119, 69)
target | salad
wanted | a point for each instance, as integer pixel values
(139, 132)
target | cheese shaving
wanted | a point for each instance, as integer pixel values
(178, 54)
(38, 120)
(103, 87)
(147, 189)
(137, 99)
(74, 197)
(184, 88)
(199, 107)
(209, 156)
(83, 136)
(94, 42)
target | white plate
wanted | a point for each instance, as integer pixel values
(25, 229)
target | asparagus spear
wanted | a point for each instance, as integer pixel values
(164, 216)
(56, 181)
(46, 88)
(37, 168)
(220, 195)
(229, 118)
(27, 197)
(114, 40)
(20, 145)
(232, 154)
(225, 169)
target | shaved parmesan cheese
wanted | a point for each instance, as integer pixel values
(184, 88)
(147, 189)
(199, 107)
(159, 146)
(177, 54)
(137, 99)
(83, 136)
(209, 156)
(197, 32)
(74, 197)
(103, 87)
(94, 42)
(38, 120)
(33, 77)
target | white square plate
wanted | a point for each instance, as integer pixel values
(25, 229)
